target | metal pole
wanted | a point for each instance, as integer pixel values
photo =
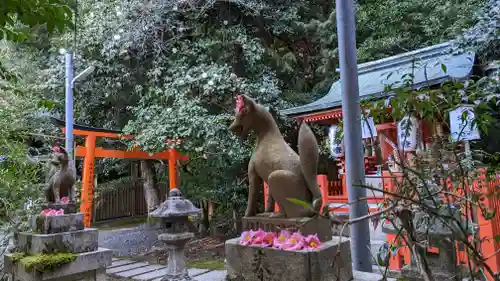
(69, 103)
(355, 174)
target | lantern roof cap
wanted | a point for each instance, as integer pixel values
(175, 206)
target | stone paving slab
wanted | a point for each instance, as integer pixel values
(117, 263)
(216, 275)
(193, 272)
(125, 267)
(139, 271)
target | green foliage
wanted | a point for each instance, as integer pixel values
(17, 17)
(484, 36)
(44, 262)
(170, 69)
(300, 202)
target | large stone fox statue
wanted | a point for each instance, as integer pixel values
(287, 174)
(61, 177)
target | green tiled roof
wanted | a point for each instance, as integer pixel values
(426, 65)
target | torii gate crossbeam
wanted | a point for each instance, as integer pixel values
(89, 152)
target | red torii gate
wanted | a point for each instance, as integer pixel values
(89, 152)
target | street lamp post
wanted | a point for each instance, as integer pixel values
(70, 82)
(69, 103)
(351, 112)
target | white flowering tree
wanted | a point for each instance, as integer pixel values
(170, 69)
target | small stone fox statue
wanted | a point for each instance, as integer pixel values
(61, 177)
(287, 174)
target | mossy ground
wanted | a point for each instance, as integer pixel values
(211, 264)
(43, 262)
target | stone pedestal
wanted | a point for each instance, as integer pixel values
(332, 261)
(59, 234)
(175, 244)
(306, 226)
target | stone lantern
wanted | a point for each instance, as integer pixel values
(440, 225)
(174, 213)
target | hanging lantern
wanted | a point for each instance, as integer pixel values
(407, 133)
(336, 142)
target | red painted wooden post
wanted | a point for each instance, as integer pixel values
(172, 169)
(87, 194)
(266, 194)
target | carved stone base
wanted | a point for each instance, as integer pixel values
(321, 226)
(56, 224)
(253, 263)
(66, 242)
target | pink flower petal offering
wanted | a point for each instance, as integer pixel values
(246, 237)
(258, 237)
(295, 242)
(279, 241)
(268, 239)
(312, 242)
(284, 241)
(64, 200)
(52, 212)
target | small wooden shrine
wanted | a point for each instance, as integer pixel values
(425, 65)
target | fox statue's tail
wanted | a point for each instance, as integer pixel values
(309, 157)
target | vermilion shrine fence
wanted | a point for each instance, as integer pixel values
(489, 230)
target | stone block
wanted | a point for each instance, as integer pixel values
(91, 261)
(252, 263)
(57, 224)
(320, 226)
(66, 242)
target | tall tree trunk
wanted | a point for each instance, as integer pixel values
(149, 185)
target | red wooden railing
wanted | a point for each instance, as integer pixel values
(489, 230)
(334, 192)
